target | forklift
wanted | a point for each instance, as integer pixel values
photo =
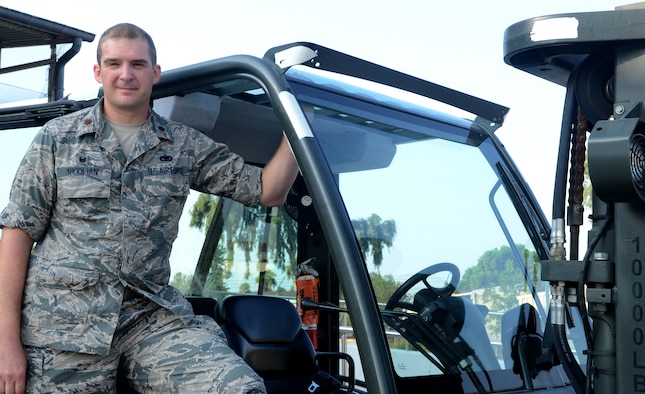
(411, 255)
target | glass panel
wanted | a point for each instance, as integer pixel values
(245, 251)
(450, 260)
(438, 202)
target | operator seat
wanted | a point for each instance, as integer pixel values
(203, 305)
(267, 333)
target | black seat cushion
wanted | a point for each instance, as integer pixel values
(266, 332)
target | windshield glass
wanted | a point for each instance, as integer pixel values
(450, 260)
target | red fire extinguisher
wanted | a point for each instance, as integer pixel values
(307, 287)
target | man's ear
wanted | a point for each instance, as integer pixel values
(156, 70)
(97, 73)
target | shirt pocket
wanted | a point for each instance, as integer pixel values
(169, 185)
(73, 279)
(83, 182)
(83, 193)
(62, 301)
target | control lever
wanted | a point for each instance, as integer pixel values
(307, 304)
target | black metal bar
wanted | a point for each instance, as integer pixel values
(331, 60)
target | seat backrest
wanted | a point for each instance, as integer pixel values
(266, 332)
(203, 305)
(522, 318)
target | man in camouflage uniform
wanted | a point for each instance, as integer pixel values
(101, 191)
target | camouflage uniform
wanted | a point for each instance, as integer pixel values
(104, 222)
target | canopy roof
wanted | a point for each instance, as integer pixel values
(20, 30)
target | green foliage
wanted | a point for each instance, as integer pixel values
(217, 274)
(496, 267)
(202, 212)
(384, 286)
(501, 280)
(181, 281)
(373, 235)
(270, 282)
(244, 231)
(245, 288)
(215, 282)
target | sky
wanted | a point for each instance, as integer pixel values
(457, 44)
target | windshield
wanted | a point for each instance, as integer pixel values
(434, 220)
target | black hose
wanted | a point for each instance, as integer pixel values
(569, 363)
(582, 305)
(562, 168)
(586, 262)
(569, 116)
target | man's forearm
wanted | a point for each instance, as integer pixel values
(15, 248)
(278, 176)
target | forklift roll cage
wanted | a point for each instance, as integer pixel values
(281, 86)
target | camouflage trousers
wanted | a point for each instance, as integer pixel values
(155, 352)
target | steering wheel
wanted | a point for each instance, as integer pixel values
(421, 276)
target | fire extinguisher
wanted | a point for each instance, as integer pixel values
(307, 283)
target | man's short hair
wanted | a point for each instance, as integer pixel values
(129, 31)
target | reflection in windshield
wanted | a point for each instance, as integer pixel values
(427, 195)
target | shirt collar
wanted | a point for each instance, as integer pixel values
(94, 121)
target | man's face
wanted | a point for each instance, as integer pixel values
(127, 74)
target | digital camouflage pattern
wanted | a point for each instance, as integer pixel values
(157, 353)
(104, 221)
(176, 358)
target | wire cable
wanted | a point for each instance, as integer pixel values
(582, 306)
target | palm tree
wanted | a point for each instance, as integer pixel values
(269, 281)
(373, 234)
(246, 230)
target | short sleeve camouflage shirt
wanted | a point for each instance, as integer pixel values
(104, 221)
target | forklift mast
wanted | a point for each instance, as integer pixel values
(599, 57)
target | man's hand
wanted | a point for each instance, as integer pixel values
(13, 366)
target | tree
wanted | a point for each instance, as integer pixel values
(269, 281)
(214, 282)
(501, 279)
(373, 235)
(245, 232)
(217, 274)
(181, 281)
(384, 286)
(495, 267)
(245, 288)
